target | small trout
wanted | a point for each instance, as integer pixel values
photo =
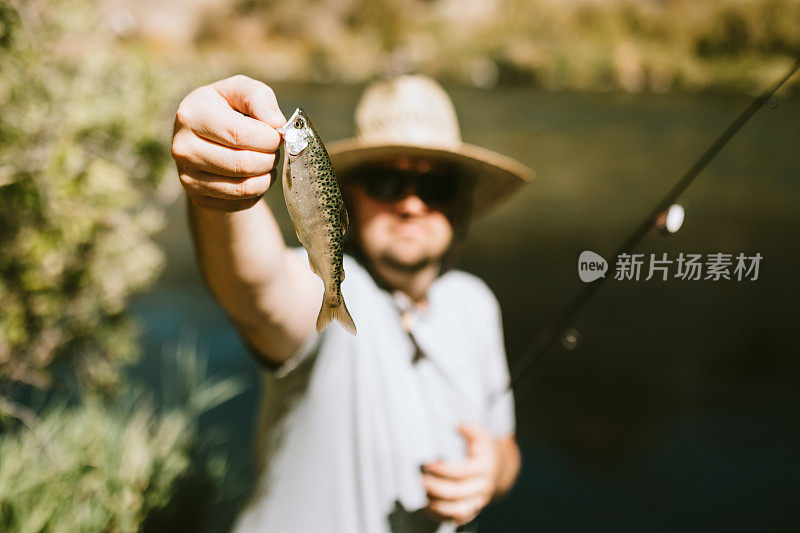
(318, 213)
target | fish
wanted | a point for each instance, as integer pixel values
(318, 213)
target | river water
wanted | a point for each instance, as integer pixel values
(680, 406)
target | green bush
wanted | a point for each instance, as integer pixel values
(84, 144)
(85, 120)
(107, 467)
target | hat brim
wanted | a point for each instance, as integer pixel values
(496, 176)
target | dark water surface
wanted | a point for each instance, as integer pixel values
(680, 407)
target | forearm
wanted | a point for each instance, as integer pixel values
(240, 254)
(268, 293)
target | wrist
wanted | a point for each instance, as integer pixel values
(207, 204)
(508, 465)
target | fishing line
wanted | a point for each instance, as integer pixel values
(559, 327)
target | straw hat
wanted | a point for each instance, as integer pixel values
(413, 116)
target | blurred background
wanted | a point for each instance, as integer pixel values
(127, 401)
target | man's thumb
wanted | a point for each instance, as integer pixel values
(474, 435)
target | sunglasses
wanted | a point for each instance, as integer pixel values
(436, 187)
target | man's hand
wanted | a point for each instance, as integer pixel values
(458, 490)
(224, 143)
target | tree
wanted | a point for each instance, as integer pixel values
(83, 148)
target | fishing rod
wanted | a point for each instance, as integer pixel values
(560, 328)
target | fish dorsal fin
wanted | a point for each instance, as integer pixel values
(345, 218)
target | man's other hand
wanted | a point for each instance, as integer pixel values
(458, 490)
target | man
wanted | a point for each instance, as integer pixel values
(407, 426)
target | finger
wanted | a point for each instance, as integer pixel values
(456, 470)
(461, 511)
(444, 489)
(252, 98)
(191, 151)
(214, 186)
(220, 123)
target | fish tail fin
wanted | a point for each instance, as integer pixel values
(335, 309)
(344, 318)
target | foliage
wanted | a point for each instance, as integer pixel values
(633, 45)
(99, 467)
(83, 148)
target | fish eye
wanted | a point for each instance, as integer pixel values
(298, 123)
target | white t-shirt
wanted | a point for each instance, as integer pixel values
(347, 421)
